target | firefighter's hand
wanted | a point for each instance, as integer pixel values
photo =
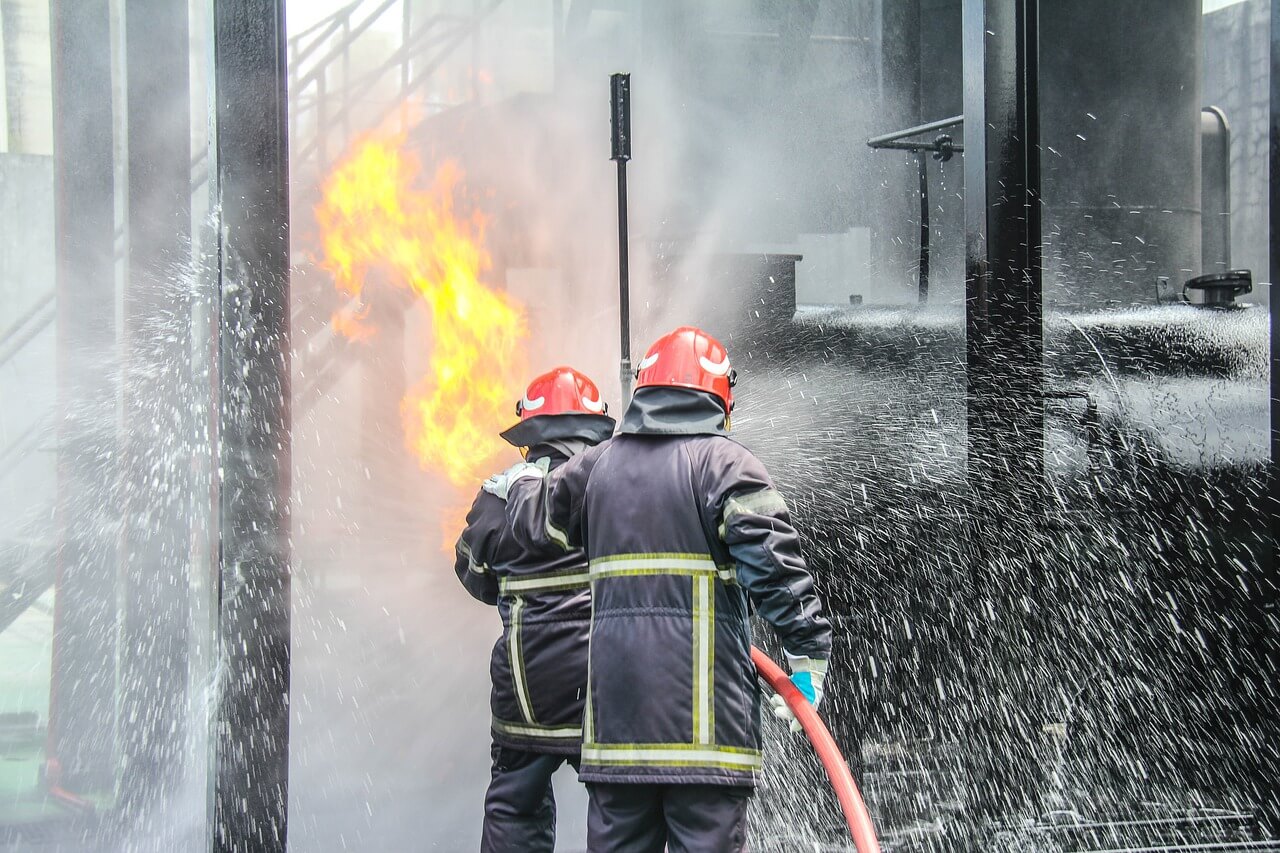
(807, 674)
(500, 484)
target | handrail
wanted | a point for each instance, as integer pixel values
(436, 61)
(343, 12)
(17, 338)
(365, 83)
(19, 444)
(17, 325)
(424, 38)
(941, 124)
(357, 31)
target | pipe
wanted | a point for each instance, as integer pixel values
(855, 810)
(943, 124)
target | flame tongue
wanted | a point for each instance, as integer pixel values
(376, 217)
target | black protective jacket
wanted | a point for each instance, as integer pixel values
(539, 665)
(685, 532)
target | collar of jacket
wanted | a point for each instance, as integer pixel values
(592, 429)
(673, 411)
(555, 458)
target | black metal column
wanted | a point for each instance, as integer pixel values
(251, 170)
(1274, 236)
(993, 657)
(900, 96)
(1004, 351)
(922, 160)
(157, 399)
(1269, 602)
(82, 714)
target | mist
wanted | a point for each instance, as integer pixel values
(1088, 672)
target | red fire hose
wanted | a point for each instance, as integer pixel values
(855, 810)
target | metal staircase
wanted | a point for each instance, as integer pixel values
(333, 99)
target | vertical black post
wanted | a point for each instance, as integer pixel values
(157, 398)
(1004, 349)
(252, 724)
(620, 100)
(1274, 190)
(900, 104)
(82, 713)
(923, 159)
(1266, 597)
(1004, 343)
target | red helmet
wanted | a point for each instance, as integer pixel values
(689, 358)
(561, 391)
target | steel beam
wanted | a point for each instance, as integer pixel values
(1267, 595)
(1004, 348)
(82, 713)
(1274, 235)
(250, 167)
(1005, 455)
(157, 402)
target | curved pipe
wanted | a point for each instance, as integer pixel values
(855, 810)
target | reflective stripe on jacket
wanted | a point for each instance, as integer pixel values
(684, 533)
(539, 665)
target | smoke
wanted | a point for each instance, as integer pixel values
(1105, 655)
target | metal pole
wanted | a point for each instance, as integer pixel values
(82, 704)
(620, 101)
(251, 748)
(1004, 346)
(1266, 595)
(1274, 199)
(624, 284)
(157, 402)
(922, 159)
(1004, 365)
(918, 130)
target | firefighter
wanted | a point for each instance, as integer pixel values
(685, 533)
(539, 665)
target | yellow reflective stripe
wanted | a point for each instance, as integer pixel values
(472, 565)
(671, 755)
(516, 654)
(704, 639)
(645, 565)
(657, 556)
(556, 535)
(546, 582)
(525, 730)
(763, 502)
(588, 722)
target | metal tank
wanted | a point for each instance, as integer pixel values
(1120, 125)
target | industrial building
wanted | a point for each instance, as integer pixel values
(995, 275)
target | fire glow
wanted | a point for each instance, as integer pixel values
(381, 216)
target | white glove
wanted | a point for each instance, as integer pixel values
(807, 674)
(500, 484)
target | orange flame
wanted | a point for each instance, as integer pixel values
(379, 216)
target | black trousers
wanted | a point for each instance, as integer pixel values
(520, 806)
(681, 818)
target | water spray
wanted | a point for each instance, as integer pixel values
(861, 829)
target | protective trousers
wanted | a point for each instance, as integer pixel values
(677, 818)
(520, 806)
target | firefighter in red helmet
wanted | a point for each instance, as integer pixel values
(685, 533)
(539, 665)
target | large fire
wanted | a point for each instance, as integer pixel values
(381, 216)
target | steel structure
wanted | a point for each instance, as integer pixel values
(1003, 291)
(251, 171)
(82, 704)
